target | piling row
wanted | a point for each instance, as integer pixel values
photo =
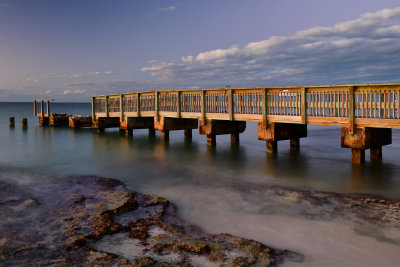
(24, 122)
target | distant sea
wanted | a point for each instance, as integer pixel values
(210, 186)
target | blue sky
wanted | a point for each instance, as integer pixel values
(71, 50)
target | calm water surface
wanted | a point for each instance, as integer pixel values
(210, 186)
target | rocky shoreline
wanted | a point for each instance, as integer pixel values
(88, 212)
(85, 221)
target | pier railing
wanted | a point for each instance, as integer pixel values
(364, 105)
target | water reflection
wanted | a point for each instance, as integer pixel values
(321, 164)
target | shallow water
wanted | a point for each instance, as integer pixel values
(212, 187)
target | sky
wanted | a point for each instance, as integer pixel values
(72, 50)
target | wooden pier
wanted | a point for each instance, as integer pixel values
(365, 112)
(59, 119)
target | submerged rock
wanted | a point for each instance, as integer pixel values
(95, 221)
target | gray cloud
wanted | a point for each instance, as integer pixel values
(366, 49)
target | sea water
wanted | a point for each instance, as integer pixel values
(212, 187)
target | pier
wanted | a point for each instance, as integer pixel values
(366, 113)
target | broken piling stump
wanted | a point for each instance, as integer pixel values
(11, 122)
(24, 122)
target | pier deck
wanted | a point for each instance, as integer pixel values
(358, 105)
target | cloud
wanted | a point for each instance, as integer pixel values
(101, 73)
(366, 49)
(79, 75)
(170, 8)
(32, 79)
(76, 92)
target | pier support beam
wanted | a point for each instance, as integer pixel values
(78, 122)
(43, 120)
(56, 119)
(132, 123)
(274, 132)
(365, 138)
(165, 125)
(103, 122)
(212, 128)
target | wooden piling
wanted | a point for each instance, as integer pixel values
(48, 108)
(211, 140)
(165, 135)
(24, 122)
(188, 134)
(272, 147)
(11, 122)
(357, 156)
(235, 138)
(376, 154)
(34, 108)
(295, 144)
(41, 108)
(129, 132)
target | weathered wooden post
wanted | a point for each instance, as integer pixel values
(303, 105)
(41, 108)
(178, 104)
(376, 154)
(265, 107)
(211, 140)
(164, 135)
(138, 104)
(235, 138)
(295, 144)
(48, 108)
(157, 107)
(106, 103)
(121, 107)
(230, 104)
(11, 122)
(272, 147)
(24, 122)
(93, 108)
(34, 108)
(235, 135)
(203, 106)
(351, 109)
